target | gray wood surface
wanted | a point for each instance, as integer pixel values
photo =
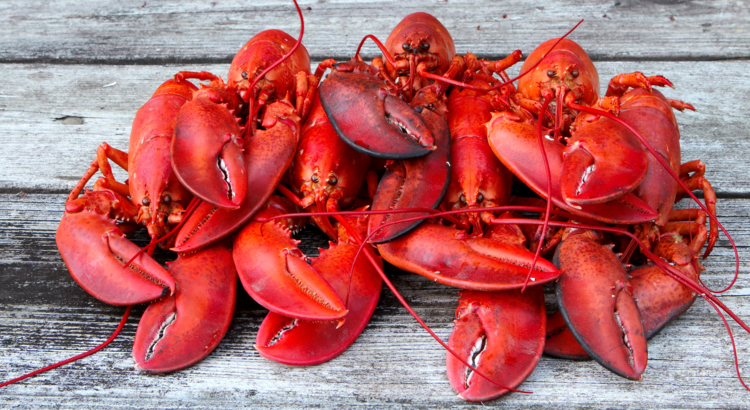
(56, 59)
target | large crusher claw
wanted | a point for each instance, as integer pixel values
(267, 156)
(516, 144)
(182, 329)
(304, 342)
(371, 120)
(276, 274)
(95, 251)
(602, 161)
(501, 334)
(596, 300)
(451, 257)
(207, 152)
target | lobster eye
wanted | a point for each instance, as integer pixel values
(424, 46)
(333, 180)
(166, 198)
(480, 198)
(575, 73)
(551, 73)
(244, 75)
(462, 198)
(406, 47)
(315, 179)
(145, 201)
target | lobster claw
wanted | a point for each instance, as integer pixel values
(182, 329)
(602, 161)
(560, 342)
(95, 251)
(515, 142)
(501, 334)
(304, 342)
(371, 120)
(449, 256)
(267, 156)
(413, 183)
(596, 300)
(276, 274)
(207, 151)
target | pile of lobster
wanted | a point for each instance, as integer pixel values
(437, 163)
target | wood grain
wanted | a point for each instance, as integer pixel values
(75, 72)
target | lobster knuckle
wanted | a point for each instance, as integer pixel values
(204, 159)
(502, 335)
(372, 121)
(278, 279)
(99, 268)
(414, 183)
(600, 312)
(303, 342)
(180, 330)
(445, 255)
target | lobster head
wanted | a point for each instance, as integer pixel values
(567, 65)
(264, 49)
(419, 38)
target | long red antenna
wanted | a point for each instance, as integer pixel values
(74, 358)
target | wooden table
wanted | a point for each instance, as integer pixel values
(75, 72)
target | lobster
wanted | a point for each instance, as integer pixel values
(602, 168)
(158, 201)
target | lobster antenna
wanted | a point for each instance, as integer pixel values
(665, 267)
(74, 358)
(548, 174)
(287, 55)
(473, 88)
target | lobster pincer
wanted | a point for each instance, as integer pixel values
(95, 251)
(596, 300)
(372, 120)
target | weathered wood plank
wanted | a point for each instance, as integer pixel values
(53, 117)
(148, 32)
(45, 317)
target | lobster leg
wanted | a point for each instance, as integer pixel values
(596, 300)
(499, 333)
(179, 330)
